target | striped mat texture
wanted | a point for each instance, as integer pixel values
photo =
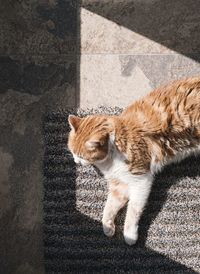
(74, 197)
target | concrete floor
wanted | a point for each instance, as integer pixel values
(37, 74)
(54, 55)
(129, 47)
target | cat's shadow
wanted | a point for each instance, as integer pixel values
(190, 168)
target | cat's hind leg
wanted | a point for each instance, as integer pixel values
(117, 198)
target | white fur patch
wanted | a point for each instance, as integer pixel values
(79, 160)
(114, 167)
(131, 235)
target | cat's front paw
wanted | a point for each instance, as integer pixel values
(108, 228)
(131, 234)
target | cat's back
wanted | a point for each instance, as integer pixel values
(175, 102)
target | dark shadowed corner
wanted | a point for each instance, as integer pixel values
(38, 72)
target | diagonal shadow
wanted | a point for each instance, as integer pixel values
(75, 243)
(173, 24)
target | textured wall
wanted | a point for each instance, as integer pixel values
(129, 47)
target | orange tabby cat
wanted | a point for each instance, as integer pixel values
(160, 128)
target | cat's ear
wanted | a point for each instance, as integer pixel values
(74, 122)
(93, 143)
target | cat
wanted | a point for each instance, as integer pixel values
(160, 128)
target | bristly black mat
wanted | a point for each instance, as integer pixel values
(74, 196)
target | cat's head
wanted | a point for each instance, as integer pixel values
(89, 138)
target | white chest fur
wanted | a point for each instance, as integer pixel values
(114, 167)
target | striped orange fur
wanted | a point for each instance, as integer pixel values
(162, 127)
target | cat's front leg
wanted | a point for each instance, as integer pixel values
(117, 198)
(139, 189)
